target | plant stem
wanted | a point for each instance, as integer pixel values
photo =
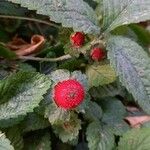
(30, 19)
(65, 57)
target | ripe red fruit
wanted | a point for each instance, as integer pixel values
(77, 39)
(97, 54)
(68, 94)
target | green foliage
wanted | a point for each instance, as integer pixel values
(93, 111)
(14, 134)
(113, 115)
(20, 93)
(5, 143)
(69, 130)
(34, 122)
(11, 9)
(132, 66)
(135, 139)
(42, 142)
(29, 116)
(142, 34)
(76, 14)
(99, 138)
(109, 90)
(120, 12)
(5, 52)
(56, 115)
(100, 75)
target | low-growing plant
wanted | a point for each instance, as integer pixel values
(82, 81)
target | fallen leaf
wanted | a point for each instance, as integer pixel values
(22, 48)
(137, 121)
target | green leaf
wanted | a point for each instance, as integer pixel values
(14, 135)
(21, 93)
(93, 111)
(131, 63)
(45, 143)
(34, 122)
(5, 143)
(142, 34)
(6, 53)
(59, 75)
(113, 110)
(136, 139)
(38, 142)
(69, 130)
(77, 14)
(113, 115)
(56, 115)
(120, 12)
(99, 138)
(109, 90)
(11, 9)
(72, 64)
(25, 67)
(100, 75)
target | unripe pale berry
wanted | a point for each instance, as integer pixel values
(77, 39)
(68, 94)
(97, 54)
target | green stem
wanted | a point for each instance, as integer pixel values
(88, 46)
(65, 57)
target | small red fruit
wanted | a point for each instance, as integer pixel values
(77, 39)
(68, 94)
(97, 54)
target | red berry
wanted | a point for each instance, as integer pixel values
(77, 39)
(68, 94)
(97, 54)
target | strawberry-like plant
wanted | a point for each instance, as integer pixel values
(83, 84)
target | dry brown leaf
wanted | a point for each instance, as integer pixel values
(137, 121)
(22, 48)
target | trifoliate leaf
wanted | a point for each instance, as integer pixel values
(69, 130)
(34, 122)
(120, 12)
(56, 115)
(99, 138)
(5, 143)
(77, 14)
(135, 139)
(100, 75)
(132, 65)
(14, 135)
(21, 93)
